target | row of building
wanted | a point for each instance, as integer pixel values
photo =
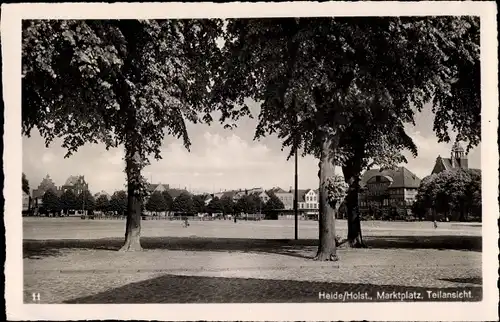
(77, 185)
(381, 188)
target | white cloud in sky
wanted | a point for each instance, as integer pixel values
(219, 159)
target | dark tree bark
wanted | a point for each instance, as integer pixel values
(327, 250)
(133, 159)
(352, 176)
(354, 236)
(134, 202)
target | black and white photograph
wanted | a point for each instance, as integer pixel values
(268, 158)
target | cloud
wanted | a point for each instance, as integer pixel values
(47, 157)
(219, 159)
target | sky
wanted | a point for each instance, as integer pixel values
(220, 159)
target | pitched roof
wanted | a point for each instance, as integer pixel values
(257, 193)
(152, 186)
(301, 193)
(402, 177)
(276, 190)
(446, 162)
(174, 193)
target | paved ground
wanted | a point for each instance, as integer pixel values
(182, 269)
(76, 228)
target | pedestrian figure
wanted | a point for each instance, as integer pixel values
(186, 222)
(435, 224)
(234, 218)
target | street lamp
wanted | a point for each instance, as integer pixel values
(296, 192)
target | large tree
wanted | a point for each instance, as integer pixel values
(102, 203)
(119, 202)
(199, 203)
(215, 206)
(248, 204)
(123, 83)
(313, 75)
(451, 193)
(156, 202)
(68, 201)
(168, 200)
(274, 203)
(51, 202)
(183, 203)
(228, 205)
(374, 137)
(25, 184)
(85, 201)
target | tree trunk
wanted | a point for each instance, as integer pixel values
(327, 250)
(134, 204)
(354, 236)
(352, 176)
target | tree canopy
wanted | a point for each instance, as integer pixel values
(215, 206)
(51, 202)
(314, 77)
(451, 193)
(248, 204)
(118, 202)
(228, 205)
(122, 83)
(102, 203)
(85, 200)
(274, 203)
(183, 203)
(168, 200)
(156, 202)
(199, 203)
(25, 184)
(68, 201)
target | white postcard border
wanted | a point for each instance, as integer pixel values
(11, 47)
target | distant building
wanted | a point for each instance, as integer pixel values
(237, 194)
(44, 186)
(458, 160)
(308, 203)
(76, 184)
(264, 197)
(286, 197)
(160, 187)
(157, 187)
(388, 189)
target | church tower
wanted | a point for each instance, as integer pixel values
(458, 157)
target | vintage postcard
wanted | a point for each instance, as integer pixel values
(251, 161)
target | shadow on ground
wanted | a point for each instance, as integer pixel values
(197, 289)
(465, 280)
(35, 249)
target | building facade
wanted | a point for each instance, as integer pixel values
(387, 193)
(286, 198)
(237, 194)
(308, 203)
(44, 186)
